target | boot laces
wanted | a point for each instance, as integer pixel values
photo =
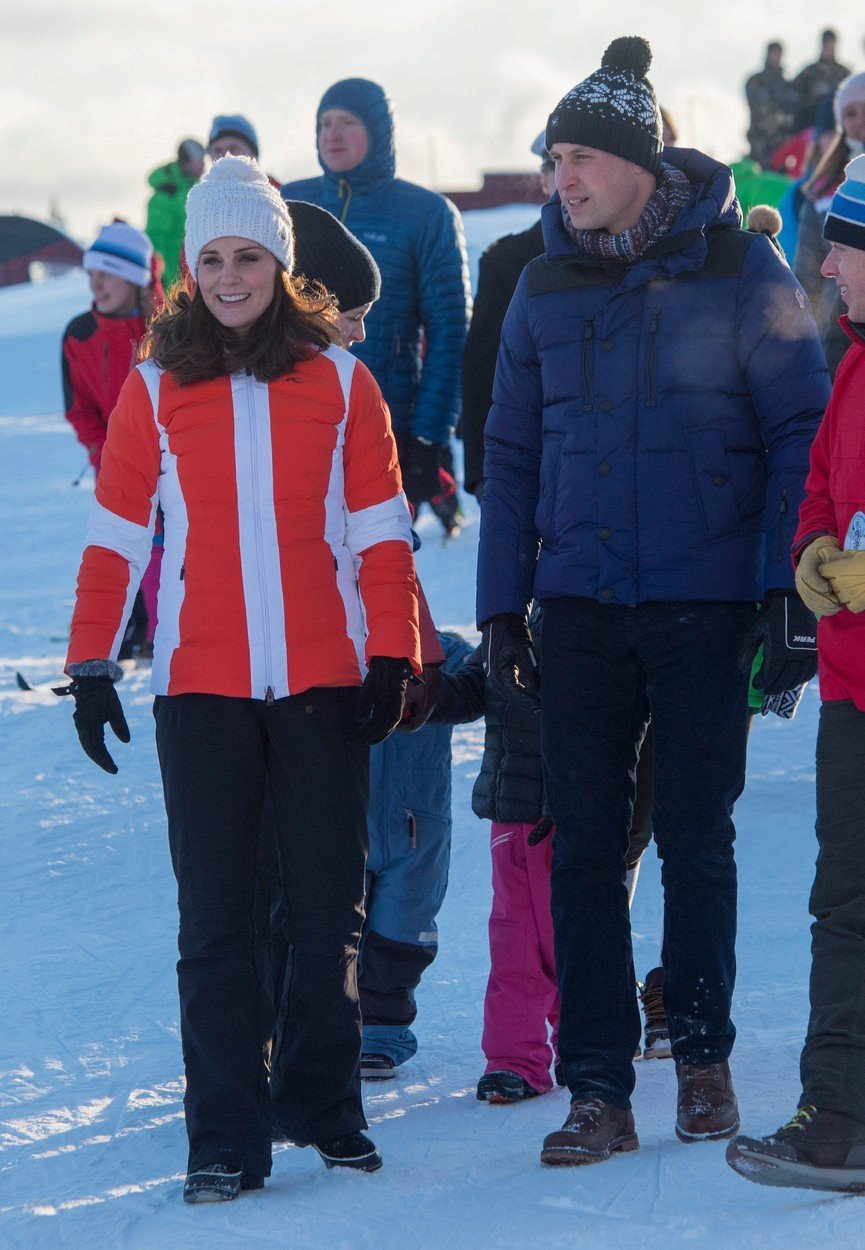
(652, 999)
(582, 1107)
(701, 1072)
(802, 1119)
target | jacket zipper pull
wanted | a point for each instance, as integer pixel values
(782, 512)
(269, 696)
(588, 379)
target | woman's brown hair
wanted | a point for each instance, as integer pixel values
(185, 338)
(830, 169)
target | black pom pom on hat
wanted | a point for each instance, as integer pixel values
(614, 110)
(631, 53)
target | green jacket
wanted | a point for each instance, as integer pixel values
(757, 186)
(166, 215)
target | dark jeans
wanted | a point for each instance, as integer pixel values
(218, 755)
(833, 1061)
(605, 669)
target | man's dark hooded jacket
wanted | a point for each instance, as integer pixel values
(416, 238)
(498, 274)
(651, 424)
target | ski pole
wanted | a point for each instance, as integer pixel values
(77, 481)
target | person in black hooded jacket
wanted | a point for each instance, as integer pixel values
(498, 274)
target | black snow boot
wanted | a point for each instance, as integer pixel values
(218, 1182)
(376, 1067)
(504, 1087)
(352, 1151)
(816, 1150)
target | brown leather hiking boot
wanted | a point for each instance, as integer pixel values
(816, 1150)
(651, 996)
(707, 1108)
(592, 1132)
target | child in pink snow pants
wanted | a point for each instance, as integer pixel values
(521, 998)
(521, 1007)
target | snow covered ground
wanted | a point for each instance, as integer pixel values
(92, 1144)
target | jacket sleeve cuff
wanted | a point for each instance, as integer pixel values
(799, 547)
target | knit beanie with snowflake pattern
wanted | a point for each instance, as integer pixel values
(614, 109)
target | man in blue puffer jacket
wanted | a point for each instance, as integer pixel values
(416, 332)
(658, 386)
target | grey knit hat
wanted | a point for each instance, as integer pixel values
(614, 109)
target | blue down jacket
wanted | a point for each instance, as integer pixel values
(651, 424)
(417, 240)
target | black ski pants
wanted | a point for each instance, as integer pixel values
(833, 1061)
(218, 756)
(605, 670)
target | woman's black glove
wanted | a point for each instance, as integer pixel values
(509, 660)
(787, 631)
(420, 699)
(382, 699)
(420, 461)
(96, 705)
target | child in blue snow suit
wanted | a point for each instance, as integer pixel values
(409, 856)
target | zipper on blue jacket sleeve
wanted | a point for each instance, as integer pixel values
(652, 365)
(588, 379)
(782, 513)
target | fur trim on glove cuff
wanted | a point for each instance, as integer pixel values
(96, 668)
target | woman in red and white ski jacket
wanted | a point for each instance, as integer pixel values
(287, 536)
(288, 628)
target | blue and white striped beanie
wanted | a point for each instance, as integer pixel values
(845, 220)
(122, 250)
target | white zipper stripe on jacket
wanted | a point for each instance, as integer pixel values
(259, 544)
(336, 519)
(172, 586)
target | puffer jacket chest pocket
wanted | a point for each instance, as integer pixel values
(710, 469)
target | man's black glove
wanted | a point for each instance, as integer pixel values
(542, 830)
(420, 460)
(788, 633)
(382, 699)
(509, 660)
(96, 705)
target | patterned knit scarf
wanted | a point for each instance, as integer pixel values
(669, 198)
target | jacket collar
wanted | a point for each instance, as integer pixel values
(683, 249)
(855, 330)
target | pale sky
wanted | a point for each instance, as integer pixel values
(94, 94)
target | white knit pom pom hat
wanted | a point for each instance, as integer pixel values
(235, 198)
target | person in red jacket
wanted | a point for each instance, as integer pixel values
(823, 1146)
(288, 629)
(101, 346)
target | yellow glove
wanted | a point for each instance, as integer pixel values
(814, 591)
(845, 573)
